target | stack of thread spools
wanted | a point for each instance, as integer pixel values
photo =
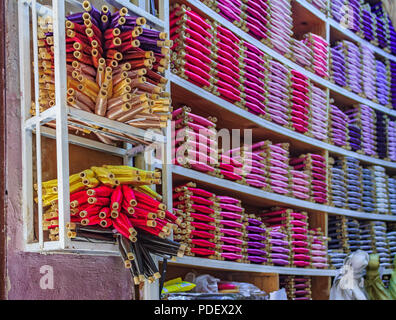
(278, 246)
(300, 252)
(195, 144)
(353, 177)
(392, 68)
(347, 13)
(355, 68)
(391, 236)
(301, 54)
(115, 68)
(338, 66)
(383, 82)
(382, 134)
(392, 139)
(319, 47)
(381, 189)
(319, 117)
(353, 65)
(385, 32)
(368, 188)
(275, 161)
(369, 73)
(256, 240)
(337, 184)
(336, 258)
(212, 226)
(382, 30)
(113, 204)
(367, 25)
(192, 46)
(344, 234)
(278, 222)
(299, 184)
(392, 194)
(374, 240)
(362, 129)
(338, 126)
(354, 134)
(318, 249)
(300, 101)
(280, 26)
(297, 287)
(278, 87)
(315, 166)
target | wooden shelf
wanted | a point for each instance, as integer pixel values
(248, 267)
(265, 198)
(230, 116)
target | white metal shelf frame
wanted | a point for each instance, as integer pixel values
(28, 12)
(274, 54)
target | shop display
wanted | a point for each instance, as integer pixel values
(354, 67)
(115, 69)
(367, 189)
(321, 114)
(114, 204)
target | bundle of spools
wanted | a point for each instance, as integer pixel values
(256, 240)
(355, 68)
(299, 96)
(338, 126)
(115, 68)
(297, 288)
(212, 225)
(319, 48)
(318, 248)
(301, 54)
(319, 117)
(195, 143)
(114, 204)
(374, 241)
(291, 248)
(314, 166)
(337, 184)
(344, 234)
(362, 118)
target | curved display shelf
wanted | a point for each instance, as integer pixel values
(326, 83)
(247, 267)
(274, 127)
(276, 199)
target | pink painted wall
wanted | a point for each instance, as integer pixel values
(75, 277)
